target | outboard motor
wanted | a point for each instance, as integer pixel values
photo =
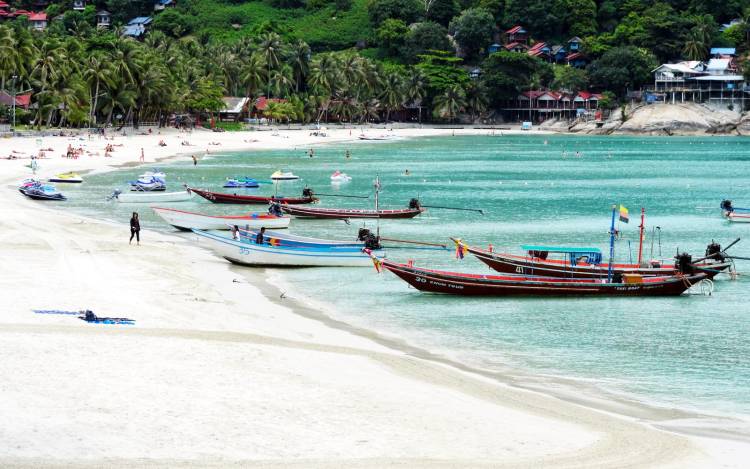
(684, 263)
(713, 251)
(275, 209)
(370, 239)
(726, 205)
(363, 233)
(307, 192)
(414, 204)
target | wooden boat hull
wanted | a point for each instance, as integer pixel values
(511, 264)
(737, 217)
(453, 283)
(183, 220)
(154, 197)
(287, 239)
(251, 254)
(334, 213)
(222, 198)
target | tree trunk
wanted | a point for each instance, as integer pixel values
(96, 101)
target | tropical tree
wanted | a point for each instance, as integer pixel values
(450, 103)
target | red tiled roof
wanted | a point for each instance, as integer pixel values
(513, 45)
(584, 94)
(573, 56)
(537, 46)
(4, 13)
(533, 94)
(22, 100)
(262, 103)
(514, 30)
(38, 17)
(3, 4)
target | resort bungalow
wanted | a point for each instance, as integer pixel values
(558, 53)
(261, 104)
(23, 101)
(494, 48)
(160, 5)
(518, 47)
(723, 52)
(541, 50)
(576, 59)
(575, 44)
(137, 27)
(540, 105)
(79, 5)
(38, 21)
(103, 19)
(235, 108)
(714, 83)
(516, 34)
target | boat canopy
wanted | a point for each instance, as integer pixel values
(575, 256)
(532, 247)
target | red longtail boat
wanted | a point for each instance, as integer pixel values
(222, 198)
(585, 263)
(342, 213)
(456, 283)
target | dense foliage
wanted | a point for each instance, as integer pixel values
(349, 60)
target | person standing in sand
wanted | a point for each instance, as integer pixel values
(135, 229)
(143, 156)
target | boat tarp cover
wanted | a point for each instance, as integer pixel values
(531, 247)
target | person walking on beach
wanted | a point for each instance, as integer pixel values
(135, 229)
(34, 165)
(311, 153)
(143, 156)
(195, 161)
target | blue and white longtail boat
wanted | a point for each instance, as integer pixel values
(279, 238)
(247, 252)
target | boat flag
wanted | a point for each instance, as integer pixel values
(461, 249)
(375, 261)
(624, 214)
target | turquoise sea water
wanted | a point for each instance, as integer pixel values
(690, 352)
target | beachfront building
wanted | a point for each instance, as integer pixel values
(540, 105)
(516, 34)
(235, 108)
(717, 82)
(103, 19)
(160, 5)
(136, 27)
(38, 21)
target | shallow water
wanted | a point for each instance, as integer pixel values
(690, 352)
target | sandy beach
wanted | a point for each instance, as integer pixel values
(218, 371)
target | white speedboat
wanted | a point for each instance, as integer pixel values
(151, 196)
(339, 177)
(247, 252)
(190, 220)
(283, 176)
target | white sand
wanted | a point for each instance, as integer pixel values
(216, 374)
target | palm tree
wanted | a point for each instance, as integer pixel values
(270, 48)
(448, 104)
(695, 48)
(476, 98)
(47, 69)
(253, 75)
(392, 96)
(414, 89)
(97, 71)
(281, 80)
(300, 62)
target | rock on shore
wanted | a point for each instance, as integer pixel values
(663, 119)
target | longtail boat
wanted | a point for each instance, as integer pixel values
(278, 238)
(456, 283)
(584, 262)
(222, 198)
(735, 214)
(342, 213)
(246, 252)
(186, 221)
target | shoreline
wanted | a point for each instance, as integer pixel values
(592, 415)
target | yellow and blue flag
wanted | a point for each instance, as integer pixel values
(624, 214)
